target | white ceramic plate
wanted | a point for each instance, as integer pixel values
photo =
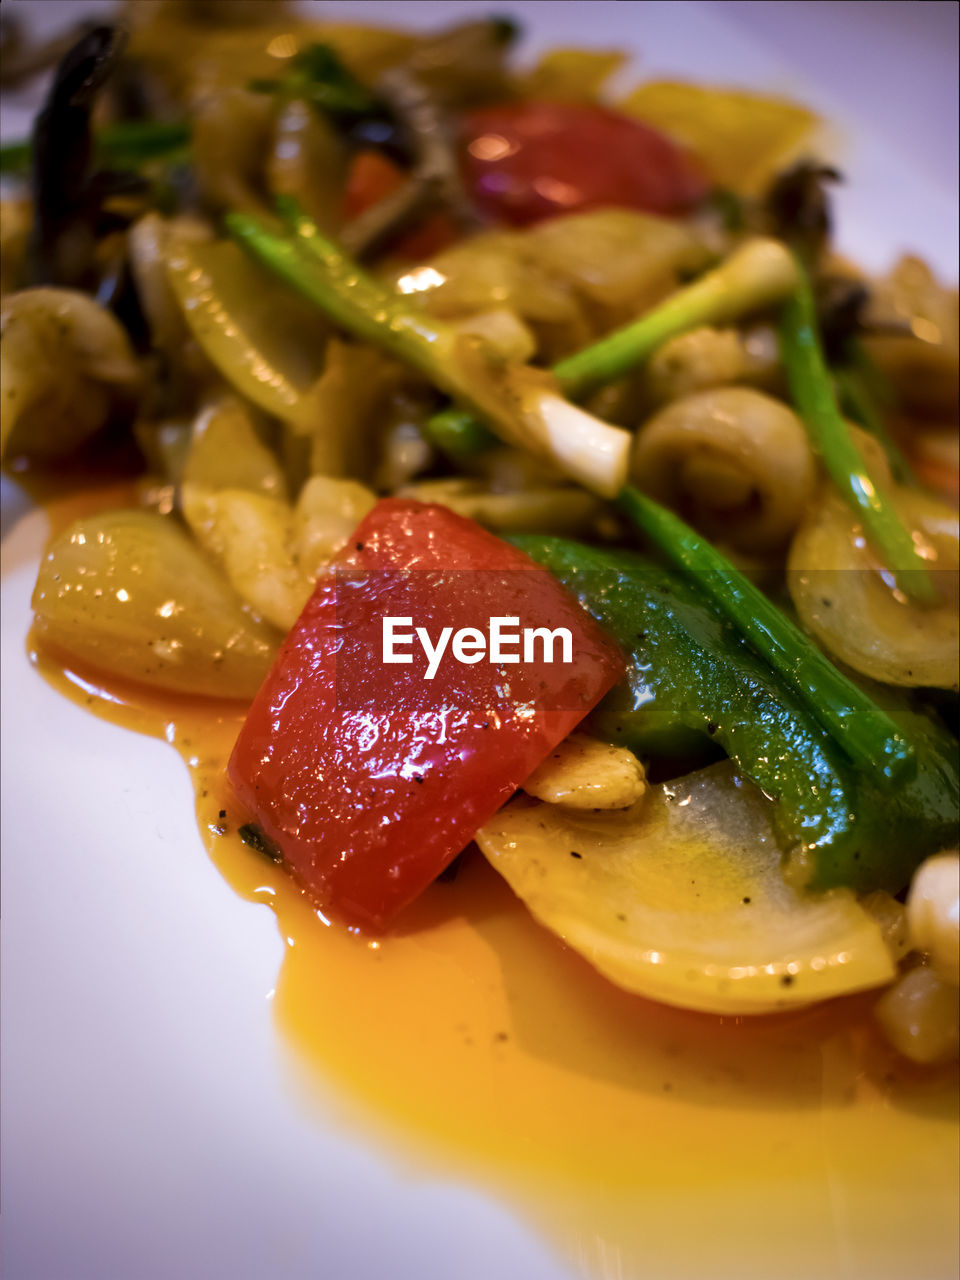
(153, 1126)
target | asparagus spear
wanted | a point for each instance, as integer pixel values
(586, 448)
(755, 275)
(813, 394)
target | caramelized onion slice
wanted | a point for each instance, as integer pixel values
(128, 593)
(847, 601)
(681, 898)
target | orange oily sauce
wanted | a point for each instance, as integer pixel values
(643, 1139)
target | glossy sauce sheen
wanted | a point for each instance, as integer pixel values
(641, 1139)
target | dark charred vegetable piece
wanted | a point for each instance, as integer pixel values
(692, 681)
(69, 194)
(458, 66)
(252, 835)
(465, 64)
(841, 306)
(434, 180)
(797, 208)
(812, 392)
(126, 145)
(236, 13)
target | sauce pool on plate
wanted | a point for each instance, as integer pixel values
(474, 1045)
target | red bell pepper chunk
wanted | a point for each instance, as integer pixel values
(369, 776)
(526, 161)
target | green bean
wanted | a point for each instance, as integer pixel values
(757, 274)
(856, 378)
(813, 395)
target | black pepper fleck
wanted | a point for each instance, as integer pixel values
(251, 835)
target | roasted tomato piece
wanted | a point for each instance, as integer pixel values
(526, 161)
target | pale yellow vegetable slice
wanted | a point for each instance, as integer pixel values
(585, 773)
(252, 537)
(226, 452)
(572, 75)
(129, 593)
(326, 513)
(548, 509)
(195, 60)
(343, 412)
(848, 601)
(681, 899)
(741, 138)
(231, 134)
(266, 343)
(308, 161)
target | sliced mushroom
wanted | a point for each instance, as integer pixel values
(735, 462)
(66, 369)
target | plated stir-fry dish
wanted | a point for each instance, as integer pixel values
(523, 465)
